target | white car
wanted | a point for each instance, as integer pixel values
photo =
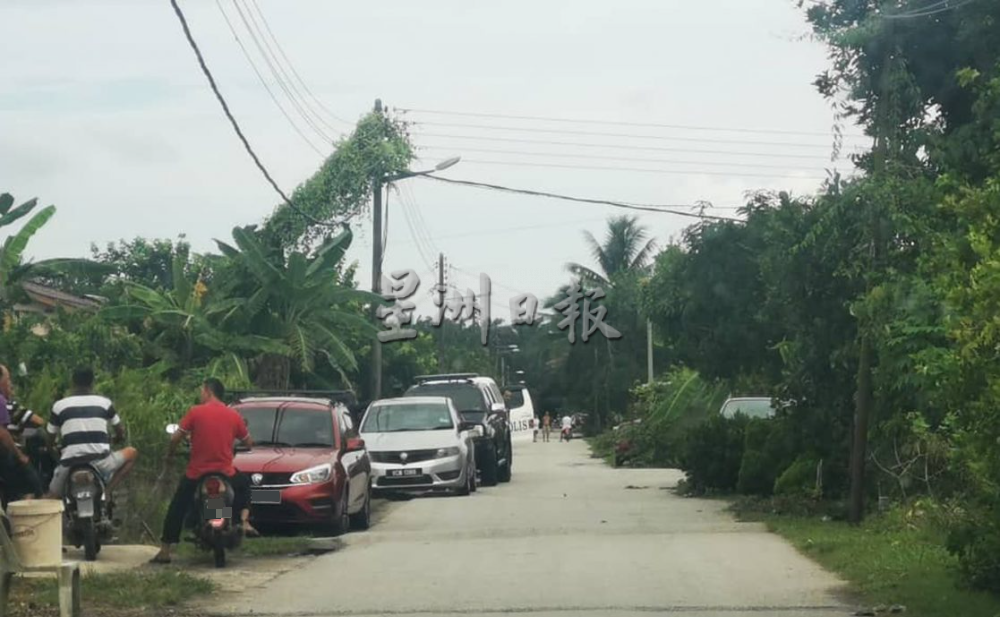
(522, 412)
(750, 406)
(419, 443)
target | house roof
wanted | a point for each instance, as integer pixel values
(49, 296)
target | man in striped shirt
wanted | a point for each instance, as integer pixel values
(81, 420)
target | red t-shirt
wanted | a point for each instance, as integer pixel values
(213, 428)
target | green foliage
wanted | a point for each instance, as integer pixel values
(713, 454)
(296, 307)
(379, 147)
(799, 479)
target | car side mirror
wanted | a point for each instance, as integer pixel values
(355, 444)
(465, 425)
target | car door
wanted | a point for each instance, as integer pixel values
(356, 464)
(466, 436)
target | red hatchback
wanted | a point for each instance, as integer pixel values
(308, 465)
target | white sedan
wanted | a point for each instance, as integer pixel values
(419, 443)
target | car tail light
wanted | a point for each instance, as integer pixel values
(213, 487)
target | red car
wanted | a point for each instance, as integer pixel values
(308, 464)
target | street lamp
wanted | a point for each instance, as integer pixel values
(377, 183)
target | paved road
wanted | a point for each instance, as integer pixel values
(568, 536)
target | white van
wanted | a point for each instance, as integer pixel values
(522, 412)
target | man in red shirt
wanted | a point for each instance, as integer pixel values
(212, 428)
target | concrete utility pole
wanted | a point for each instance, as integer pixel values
(376, 368)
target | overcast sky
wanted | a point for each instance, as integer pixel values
(104, 113)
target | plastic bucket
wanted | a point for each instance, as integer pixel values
(36, 529)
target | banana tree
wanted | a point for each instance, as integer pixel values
(300, 304)
(13, 269)
(185, 317)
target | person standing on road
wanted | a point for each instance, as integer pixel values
(546, 426)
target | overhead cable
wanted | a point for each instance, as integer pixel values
(236, 126)
(661, 209)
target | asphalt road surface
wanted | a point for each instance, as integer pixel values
(568, 536)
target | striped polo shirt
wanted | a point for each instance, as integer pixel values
(82, 424)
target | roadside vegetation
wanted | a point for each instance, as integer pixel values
(882, 290)
(119, 593)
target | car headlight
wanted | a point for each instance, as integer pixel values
(446, 452)
(313, 475)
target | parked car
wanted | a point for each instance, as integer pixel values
(521, 410)
(479, 401)
(420, 443)
(308, 464)
(750, 406)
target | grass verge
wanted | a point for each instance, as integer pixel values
(887, 561)
(268, 546)
(112, 593)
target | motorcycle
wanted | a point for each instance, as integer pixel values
(89, 509)
(566, 435)
(211, 519)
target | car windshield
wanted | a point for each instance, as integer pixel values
(465, 397)
(752, 408)
(514, 398)
(299, 427)
(398, 417)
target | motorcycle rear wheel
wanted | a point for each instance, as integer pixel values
(91, 545)
(219, 552)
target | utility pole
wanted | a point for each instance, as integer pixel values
(441, 327)
(376, 388)
(864, 398)
(649, 350)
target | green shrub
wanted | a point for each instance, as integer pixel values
(713, 453)
(759, 467)
(975, 540)
(799, 479)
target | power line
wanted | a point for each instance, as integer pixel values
(671, 209)
(699, 172)
(619, 158)
(278, 71)
(618, 123)
(236, 126)
(298, 77)
(935, 8)
(517, 129)
(263, 82)
(627, 147)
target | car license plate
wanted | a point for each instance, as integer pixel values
(403, 473)
(264, 496)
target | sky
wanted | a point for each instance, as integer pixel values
(104, 113)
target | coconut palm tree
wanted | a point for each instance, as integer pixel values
(625, 249)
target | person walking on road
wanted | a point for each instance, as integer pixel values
(546, 426)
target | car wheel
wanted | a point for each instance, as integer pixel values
(362, 520)
(342, 524)
(490, 468)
